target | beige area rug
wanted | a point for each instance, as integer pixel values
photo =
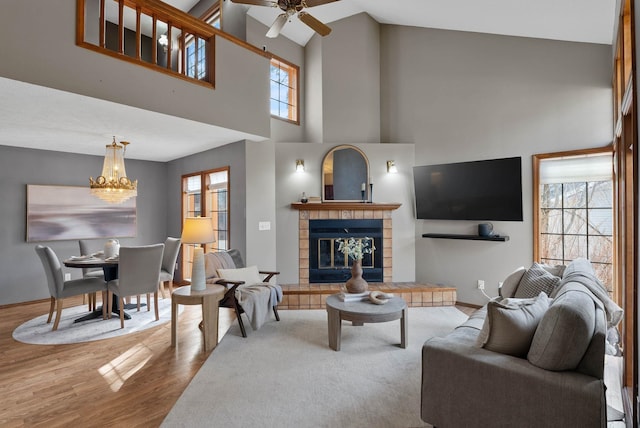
(38, 332)
(285, 374)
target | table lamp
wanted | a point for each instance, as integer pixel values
(198, 230)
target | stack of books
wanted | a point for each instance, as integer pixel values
(353, 297)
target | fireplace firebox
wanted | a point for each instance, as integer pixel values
(328, 265)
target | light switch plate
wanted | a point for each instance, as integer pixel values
(264, 225)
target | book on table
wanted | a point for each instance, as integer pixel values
(353, 297)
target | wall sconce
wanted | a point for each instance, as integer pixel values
(163, 41)
(300, 165)
(391, 167)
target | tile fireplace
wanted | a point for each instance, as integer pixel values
(327, 264)
(357, 218)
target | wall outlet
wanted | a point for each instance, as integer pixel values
(480, 284)
(67, 277)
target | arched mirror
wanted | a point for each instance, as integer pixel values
(345, 174)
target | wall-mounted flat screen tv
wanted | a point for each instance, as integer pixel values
(478, 190)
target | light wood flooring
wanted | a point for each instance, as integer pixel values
(130, 381)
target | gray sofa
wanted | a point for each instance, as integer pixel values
(534, 364)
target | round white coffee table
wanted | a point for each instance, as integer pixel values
(364, 312)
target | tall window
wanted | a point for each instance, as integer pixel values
(284, 90)
(575, 211)
(206, 194)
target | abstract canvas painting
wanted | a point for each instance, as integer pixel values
(56, 213)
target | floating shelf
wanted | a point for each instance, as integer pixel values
(496, 238)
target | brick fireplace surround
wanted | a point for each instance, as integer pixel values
(312, 296)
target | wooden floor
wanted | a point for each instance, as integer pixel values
(130, 381)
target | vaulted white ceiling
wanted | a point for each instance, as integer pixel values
(41, 118)
(588, 21)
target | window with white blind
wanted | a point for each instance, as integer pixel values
(575, 211)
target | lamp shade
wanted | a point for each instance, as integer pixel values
(198, 230)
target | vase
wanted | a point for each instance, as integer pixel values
(356, 284)
(111, 248)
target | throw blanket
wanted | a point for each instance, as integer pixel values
(613, 311)
(215, 261)
(257, 300)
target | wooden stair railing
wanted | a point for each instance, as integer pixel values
(125, 20)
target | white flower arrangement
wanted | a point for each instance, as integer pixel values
(355, 248)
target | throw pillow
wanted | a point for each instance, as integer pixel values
(249, 275)
(511, 324)
(510, 283)
(555, 270)
(535, 281)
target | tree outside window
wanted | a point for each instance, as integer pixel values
(575, 212)
(284, 90)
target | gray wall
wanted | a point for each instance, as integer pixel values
(386, 188)
(232, 155)
(464, 96)
(260, 203)
(343, 83)
(351, 81)
(22, 276)
(282, 130)
(239, 73)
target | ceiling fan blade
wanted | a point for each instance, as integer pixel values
(315, 25)
(256, 2)
(312, 3)
(277, 25)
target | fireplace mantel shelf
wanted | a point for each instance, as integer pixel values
(314, 206)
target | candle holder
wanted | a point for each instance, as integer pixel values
(370, 193)
(363, 199)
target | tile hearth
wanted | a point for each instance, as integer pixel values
(314, 296)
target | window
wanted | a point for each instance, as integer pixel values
(575, 211)
(206, 194)
(284, 90)
(196, 48)
(196, 58)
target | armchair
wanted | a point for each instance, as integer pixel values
(247, 292)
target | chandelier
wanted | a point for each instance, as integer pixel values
(113, 186)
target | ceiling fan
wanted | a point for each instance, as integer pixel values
(290, 8)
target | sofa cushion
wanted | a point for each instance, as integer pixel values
(510, 283)
(535, 280)
(249, 275)
(511, 324)
(565, 331)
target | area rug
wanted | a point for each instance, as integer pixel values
(38, 332)
(285, 374)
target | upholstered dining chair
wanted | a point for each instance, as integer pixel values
(138, 273)
(87, 248)
(61, 289)
(169, 257)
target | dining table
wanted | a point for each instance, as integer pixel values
(109, 266)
